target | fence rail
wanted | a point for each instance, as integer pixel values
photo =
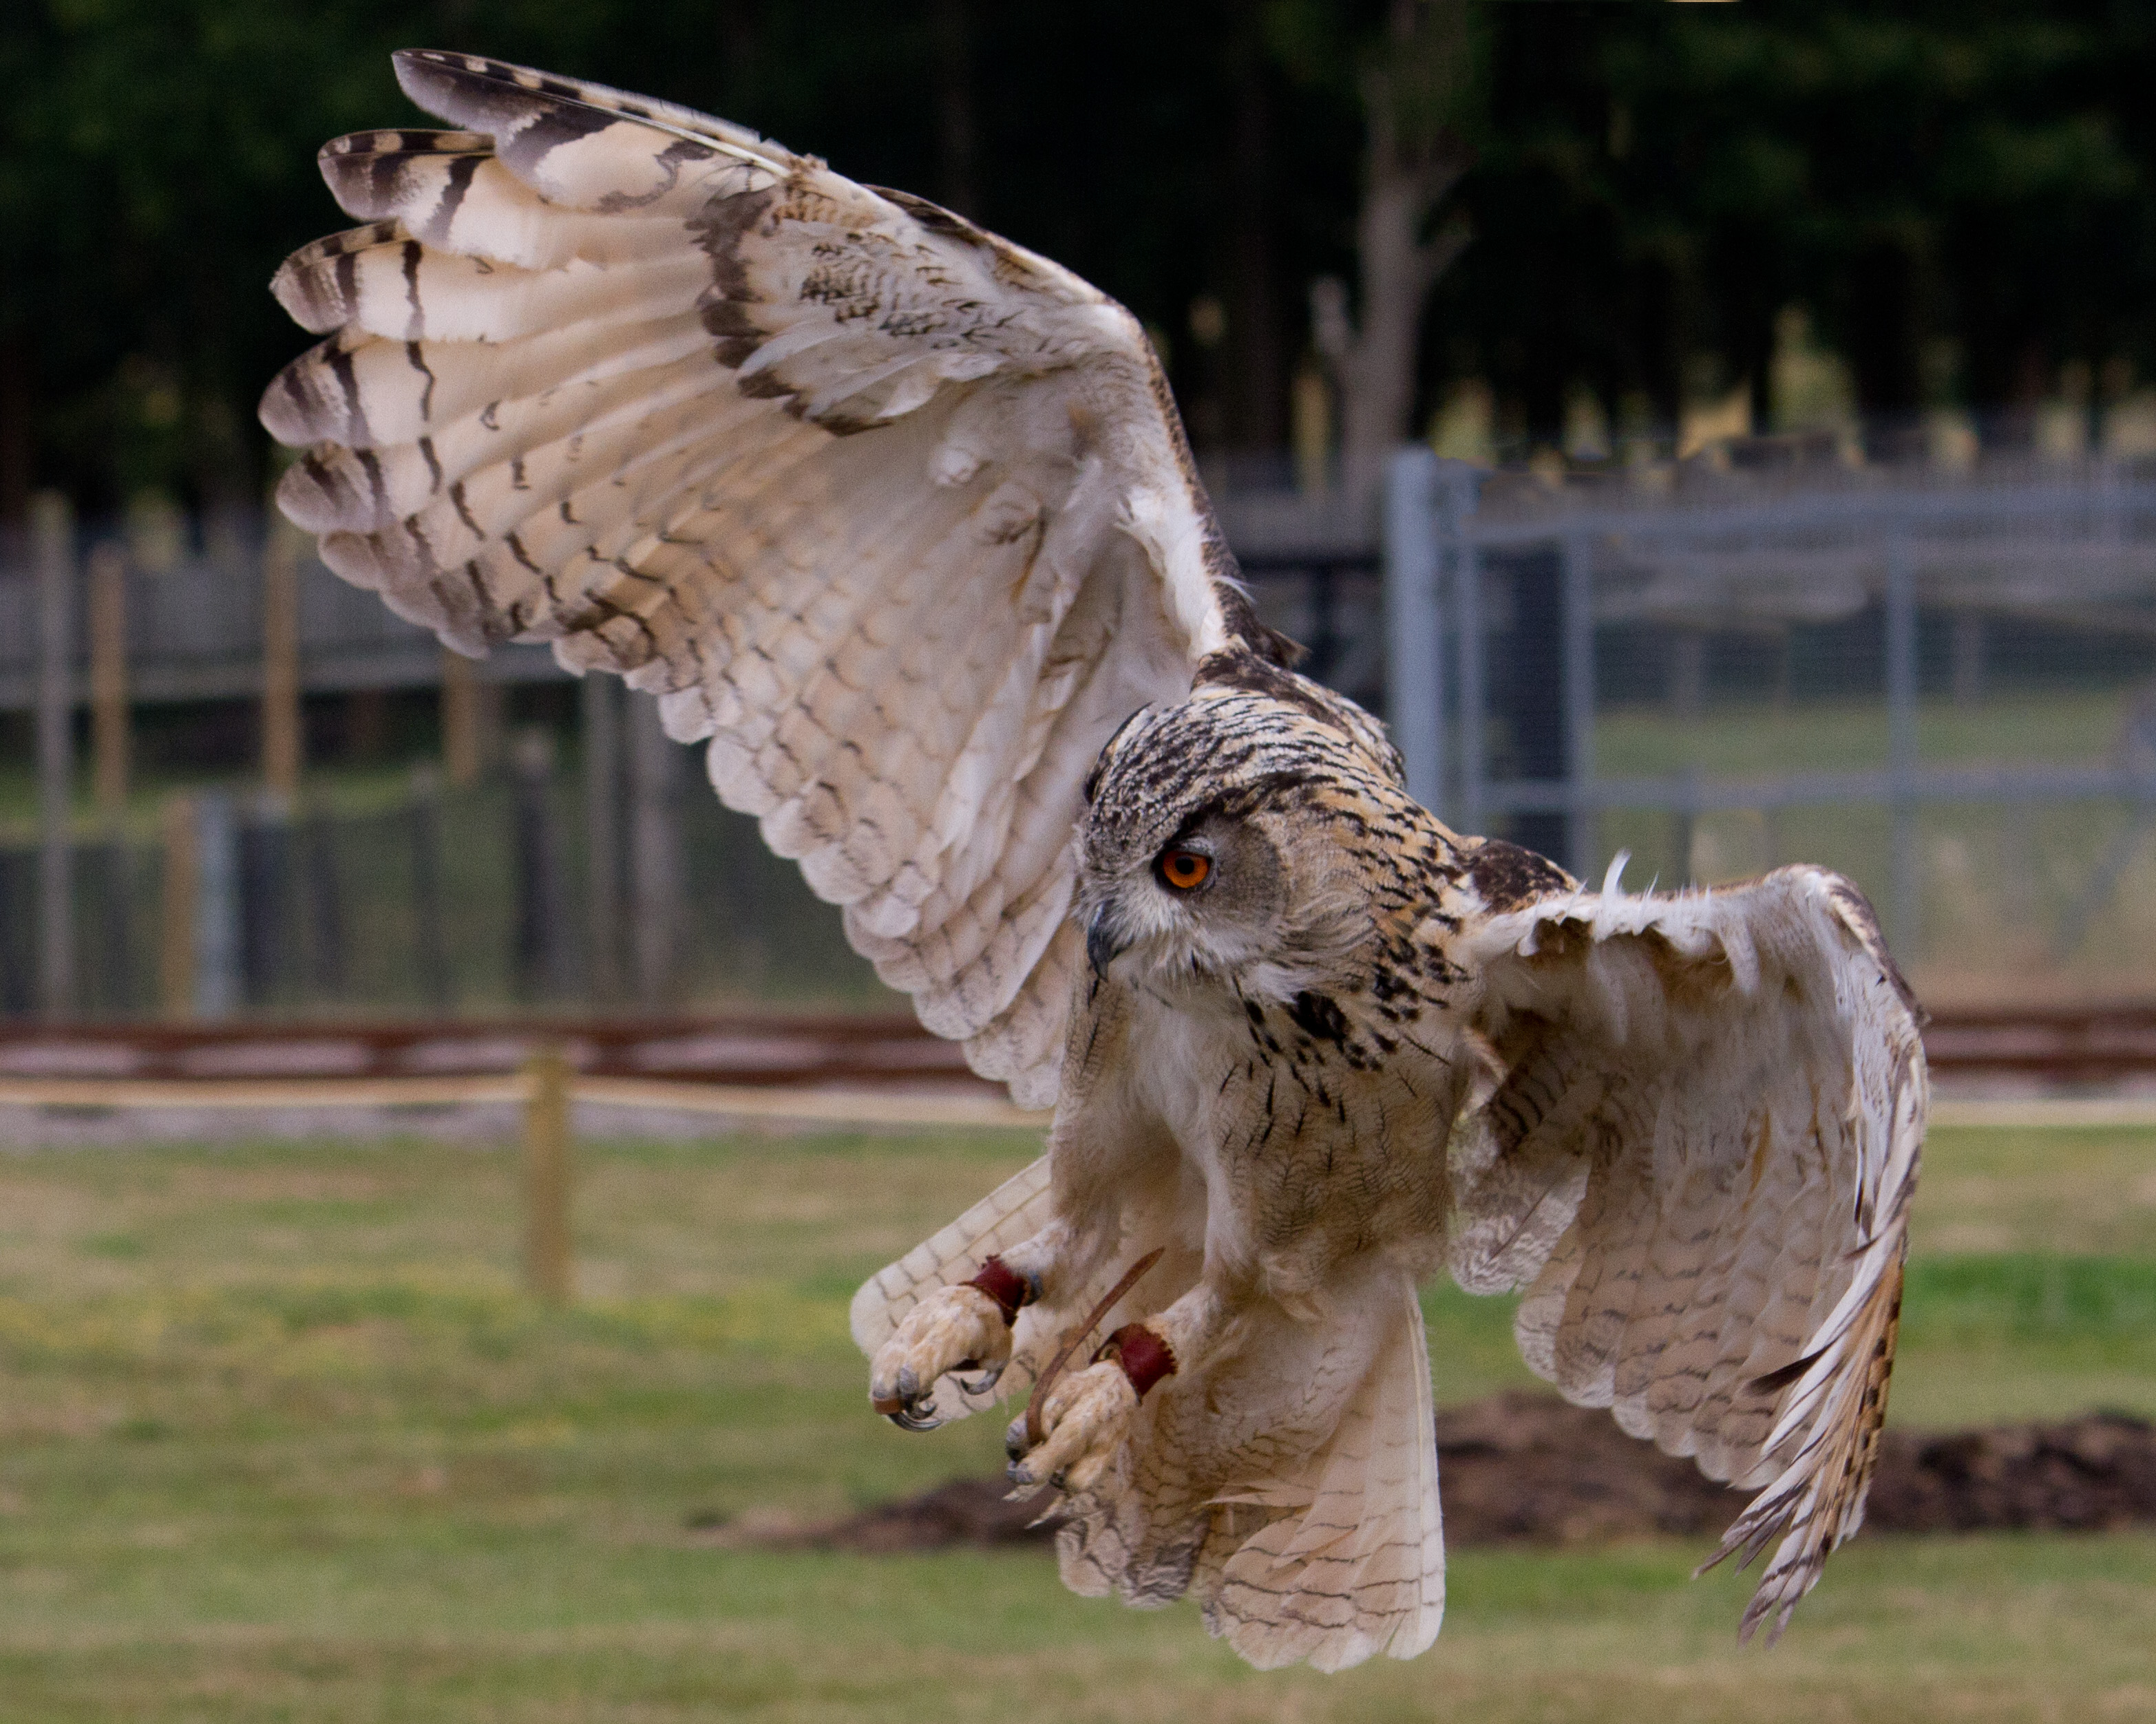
(192, 612)
(1944, 687)
(888, 1052)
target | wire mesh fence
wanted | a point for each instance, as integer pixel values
(1941, 682)
(435, 902)
(1942, 686)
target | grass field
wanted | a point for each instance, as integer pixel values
(280, 1438)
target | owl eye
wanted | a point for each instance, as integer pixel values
(1183, 870)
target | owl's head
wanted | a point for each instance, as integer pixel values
(1210, 860)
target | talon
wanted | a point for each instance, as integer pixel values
(919, 1417)
(959, 1325)
(982, 1385)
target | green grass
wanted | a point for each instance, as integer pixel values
(281, 1439)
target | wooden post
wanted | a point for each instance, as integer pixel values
(52, 536)
(178, 892)
(471, 719)
(108, 678)
(115, 923)
(282, 737)
(546, 1262)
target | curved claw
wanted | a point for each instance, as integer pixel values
(954, 1329)
(915, 1416)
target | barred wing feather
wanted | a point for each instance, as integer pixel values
(895, 513)
(1698, 1159)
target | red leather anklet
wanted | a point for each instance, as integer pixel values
(1145, 1358)
(1005, 1286)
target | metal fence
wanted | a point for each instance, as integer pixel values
(591, 867)
(1945, 686)
(419, 899)
(191, 599)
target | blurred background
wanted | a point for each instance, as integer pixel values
(1721, 433)
(1725, 301)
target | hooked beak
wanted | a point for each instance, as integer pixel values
(1102, 944)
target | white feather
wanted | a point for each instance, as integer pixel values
(588, 376)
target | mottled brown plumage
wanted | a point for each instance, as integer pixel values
(898, 517)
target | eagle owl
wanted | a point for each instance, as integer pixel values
(899, 516)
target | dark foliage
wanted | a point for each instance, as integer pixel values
(1965, 195)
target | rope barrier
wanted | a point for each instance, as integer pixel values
(853, 1107)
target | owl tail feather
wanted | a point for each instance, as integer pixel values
(1350, 1559)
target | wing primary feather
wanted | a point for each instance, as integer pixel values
(1730, 1282)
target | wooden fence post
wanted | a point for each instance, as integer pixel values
(112, 928)
(471, 719)
(53, 538)
(108, 678)
(547, 1260)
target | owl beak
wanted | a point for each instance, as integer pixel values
(1102, 944)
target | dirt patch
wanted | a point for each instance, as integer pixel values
(2090, 1474)
(1521, 1468)
(960, 1511)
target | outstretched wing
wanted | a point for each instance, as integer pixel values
(896, 514)
(1698, 1157)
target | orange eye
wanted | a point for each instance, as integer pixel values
(1184, 869)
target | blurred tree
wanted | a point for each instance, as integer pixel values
(1419, 91)
(1414, 67)
(1964, 195)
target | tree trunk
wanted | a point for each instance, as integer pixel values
(1399, 269)
(1413, 160)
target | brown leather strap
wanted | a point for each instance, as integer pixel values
(1145, 1358)
(1005, 1286)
